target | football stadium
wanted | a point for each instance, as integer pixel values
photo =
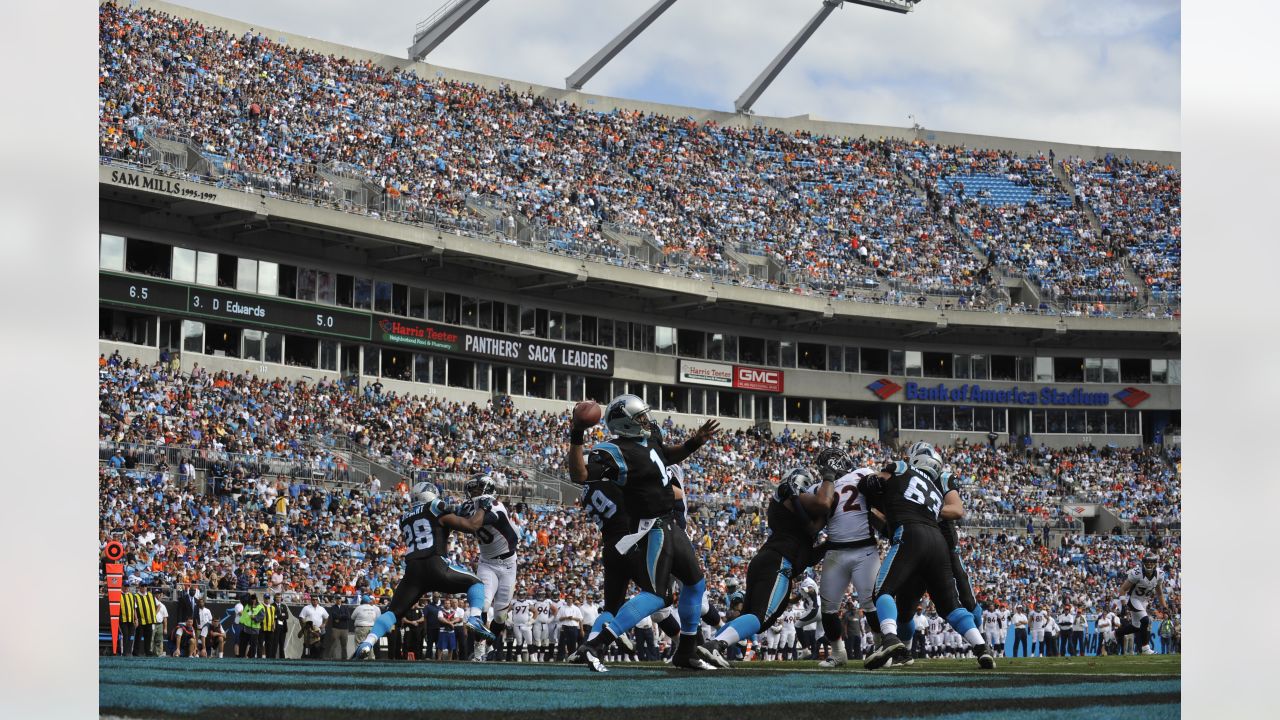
(426, 393)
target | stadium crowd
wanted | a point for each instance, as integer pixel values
(300, 534)
(841, 214)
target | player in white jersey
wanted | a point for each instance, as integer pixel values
(544, 613)
(1141, 586)
(1038, 619)
(991, 626)
(935, 635)
(1002, 629)
(787, 634)
(497, 566)
(522, 625)
(852, 555)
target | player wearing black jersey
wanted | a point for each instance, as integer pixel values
(794, 516)
(910, 596)
(918, 560)
(654, 546)
(426, 534)
(602, 502)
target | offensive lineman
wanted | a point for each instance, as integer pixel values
(794, 517)
(426, 534)
(919, 559)
(655, 547)
(1140, 587)
(497, 566)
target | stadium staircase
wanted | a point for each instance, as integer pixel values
(1095, 224)
(175, 153)
(635, 242)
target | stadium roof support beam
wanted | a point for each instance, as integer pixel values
(437, 28)
(615, 46)
(761, 83)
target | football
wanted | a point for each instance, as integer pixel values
(588, 411)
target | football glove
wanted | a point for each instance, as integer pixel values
(485, 502)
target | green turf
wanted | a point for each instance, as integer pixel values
(1050, 689)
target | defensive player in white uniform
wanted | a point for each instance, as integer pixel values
(852, 556)
(522, 617)
(1141, 587)
(1038, 619)
(787, 633)
(991, 625)
(497, 566)
(544, 612)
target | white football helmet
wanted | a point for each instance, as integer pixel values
(926, 459)
(800, 478)
(422, 493)
(628, 416)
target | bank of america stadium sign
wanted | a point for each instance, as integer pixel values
(976, 393)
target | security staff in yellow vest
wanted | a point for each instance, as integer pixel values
(128, 619)
(250, 627)
(267, 645)
(145, 616)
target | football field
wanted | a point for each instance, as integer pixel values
(1036, 689)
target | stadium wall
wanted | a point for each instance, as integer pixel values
(606, 104)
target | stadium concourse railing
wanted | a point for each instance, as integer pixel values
(551, 240)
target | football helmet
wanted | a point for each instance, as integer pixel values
(799, 478)
(423, 493)
(1149, 564)
(628, 416)
(925, 459)
(480, 485)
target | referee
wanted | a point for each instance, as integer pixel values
(128, 619)
(145, 617)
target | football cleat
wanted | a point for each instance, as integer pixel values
(902, 657)
(591, 660)
(715, 654)
(1146, 650)
(692, 662)
(626, 643)
(888, 644)
(364, 651)
(577, 655)
(986, 660)
(835, 660)
(477, 626)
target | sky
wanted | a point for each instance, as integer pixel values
(1098, 72)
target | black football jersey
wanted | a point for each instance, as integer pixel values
(603, 503)
(947, 483)
(639, 468)
(424, 536)
(907, 497)
(788, 532)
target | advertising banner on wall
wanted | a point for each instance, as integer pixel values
(493, 347)
(884, 388)
(741, 377)
(706, 373)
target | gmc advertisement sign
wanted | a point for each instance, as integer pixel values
(741, 377)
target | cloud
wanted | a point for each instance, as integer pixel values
(1090, 71)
